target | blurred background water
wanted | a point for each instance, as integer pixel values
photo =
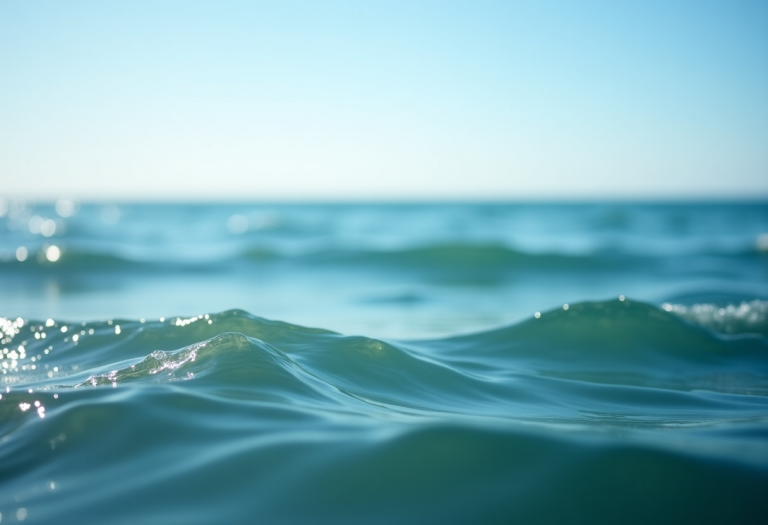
(384, 270)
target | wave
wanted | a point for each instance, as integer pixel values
(575, 414)
(433, 258)
(70, 260)
(464, 258)
(624, 343)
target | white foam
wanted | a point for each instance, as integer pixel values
(746, 317)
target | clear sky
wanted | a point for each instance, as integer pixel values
(384, 100)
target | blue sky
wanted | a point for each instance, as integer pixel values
(383, 100)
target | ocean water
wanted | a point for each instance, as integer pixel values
(383, 363)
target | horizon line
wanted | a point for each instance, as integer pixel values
(277, 200)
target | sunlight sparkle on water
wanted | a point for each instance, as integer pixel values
(53, 253)
(66, 207)
(48, 228)
(34, 224)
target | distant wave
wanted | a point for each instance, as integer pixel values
(445, 258)
(465, 257)
(70, 260)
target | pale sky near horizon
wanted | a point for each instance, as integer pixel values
(383, 100)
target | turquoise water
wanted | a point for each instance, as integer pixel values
(537, 363)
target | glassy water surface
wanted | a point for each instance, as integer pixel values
(383, 363)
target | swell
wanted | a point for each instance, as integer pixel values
(447, 256)
(617, 357)
(440, 258)
(609, 333)
(462, 256)
(576, 415)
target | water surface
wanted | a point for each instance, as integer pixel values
(412, 363)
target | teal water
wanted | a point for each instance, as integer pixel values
(471, 363)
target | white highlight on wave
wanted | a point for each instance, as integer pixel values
(748, 316)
